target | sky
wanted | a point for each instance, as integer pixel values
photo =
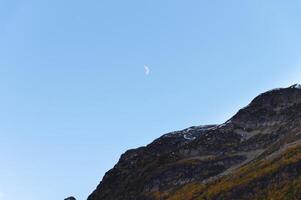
(83, 81)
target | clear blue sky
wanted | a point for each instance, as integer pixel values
(74, 95)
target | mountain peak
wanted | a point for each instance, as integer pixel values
(70, 198)
(273, 106)
(254, 155)
(296, 86)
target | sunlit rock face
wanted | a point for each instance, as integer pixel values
(253, 155)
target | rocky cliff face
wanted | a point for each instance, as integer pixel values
(70, 198)
(254, 155)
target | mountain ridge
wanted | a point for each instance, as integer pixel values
(190, 163)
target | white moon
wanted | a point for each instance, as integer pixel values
(146, 70)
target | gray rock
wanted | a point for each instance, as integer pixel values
(70, 198)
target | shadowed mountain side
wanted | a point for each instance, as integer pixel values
(254, 155)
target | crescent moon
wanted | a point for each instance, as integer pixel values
(146, 70)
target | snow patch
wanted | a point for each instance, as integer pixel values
(188, 137)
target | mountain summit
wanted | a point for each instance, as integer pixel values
(254, 155)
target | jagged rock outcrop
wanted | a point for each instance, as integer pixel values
(70, 198)
(254, 155)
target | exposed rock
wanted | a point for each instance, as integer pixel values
(70, 198)
(248, 157)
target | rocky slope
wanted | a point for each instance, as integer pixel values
(254, 155)
(70, 198)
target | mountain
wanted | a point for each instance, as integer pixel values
(70, 198)
(254, 155)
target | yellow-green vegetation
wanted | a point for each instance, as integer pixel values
(187, 192)
(248, 177)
